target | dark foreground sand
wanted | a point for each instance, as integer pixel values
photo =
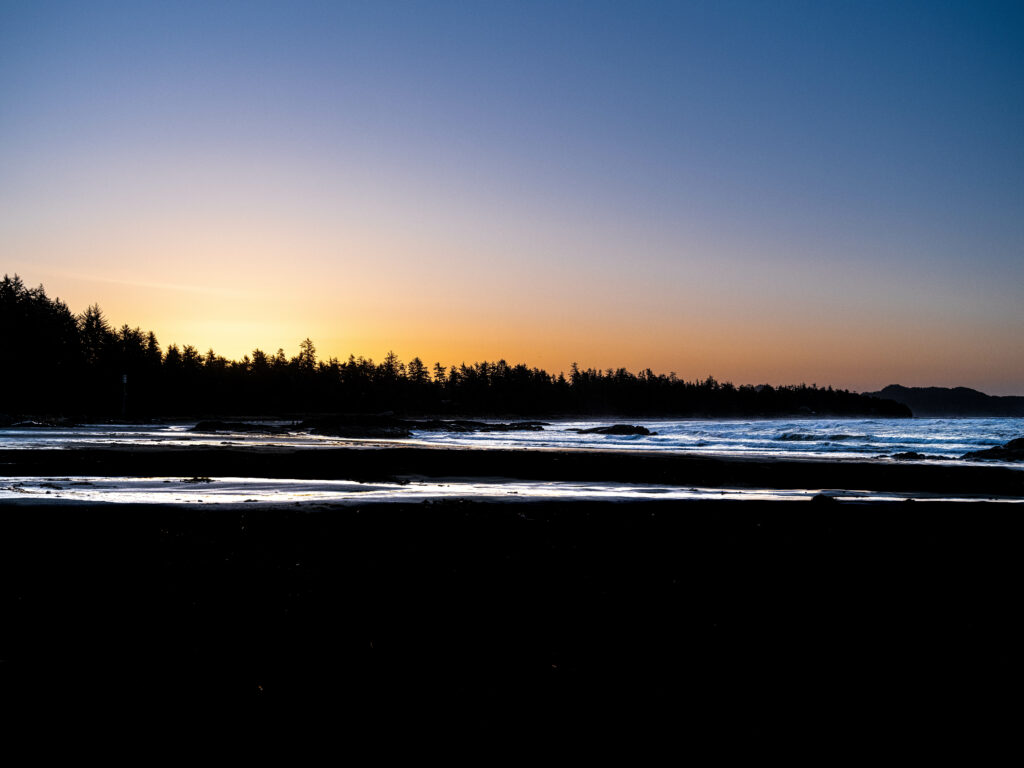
(748, 622)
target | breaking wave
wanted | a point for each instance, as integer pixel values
(800, 436)
(834, 438)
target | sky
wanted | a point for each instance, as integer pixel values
(765, 192)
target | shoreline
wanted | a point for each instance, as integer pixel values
(743, 620)
(238, 493)
(391, 463)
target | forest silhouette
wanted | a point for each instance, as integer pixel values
(57, 363)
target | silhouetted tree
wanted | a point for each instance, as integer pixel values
(153, 356)
(55, 362)
(172, 360)
(95, 334)
(307, 355)
(40, 349)
(417, 372)
(259, 362)
(391, 369)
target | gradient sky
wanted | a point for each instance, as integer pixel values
(775, 192)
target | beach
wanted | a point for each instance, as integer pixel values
(383, 463)
(750, 620)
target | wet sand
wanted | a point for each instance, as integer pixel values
(390, 463)
(752, 622)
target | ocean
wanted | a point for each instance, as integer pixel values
(937, 439)
(942, 441)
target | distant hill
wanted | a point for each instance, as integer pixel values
(956, 401)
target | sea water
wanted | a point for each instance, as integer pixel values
(878, 440)
(937, 439)
(945, 439)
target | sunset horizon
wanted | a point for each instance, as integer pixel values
(549, 368)
(756, 370)
(779, 194)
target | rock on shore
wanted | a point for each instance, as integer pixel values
(212, 425)
(616, 429)
(388, 426)
(1011, 451)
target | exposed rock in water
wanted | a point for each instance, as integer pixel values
(388, 426)
(368, 426)
(516, 426)
(8, 422)
(459, 425)
(237, 426)
(910, 456)
(1011, 451)
(439, 425)
(616, 429)
(367, 432)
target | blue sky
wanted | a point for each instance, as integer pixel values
(760, 191)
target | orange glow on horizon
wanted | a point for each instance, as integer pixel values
(593, 332)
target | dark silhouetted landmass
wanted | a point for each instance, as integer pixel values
(956, 401)
(57, 364)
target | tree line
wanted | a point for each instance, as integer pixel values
(58, 363)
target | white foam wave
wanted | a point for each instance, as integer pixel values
(943, 439)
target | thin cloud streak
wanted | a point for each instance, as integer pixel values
(206, 290)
